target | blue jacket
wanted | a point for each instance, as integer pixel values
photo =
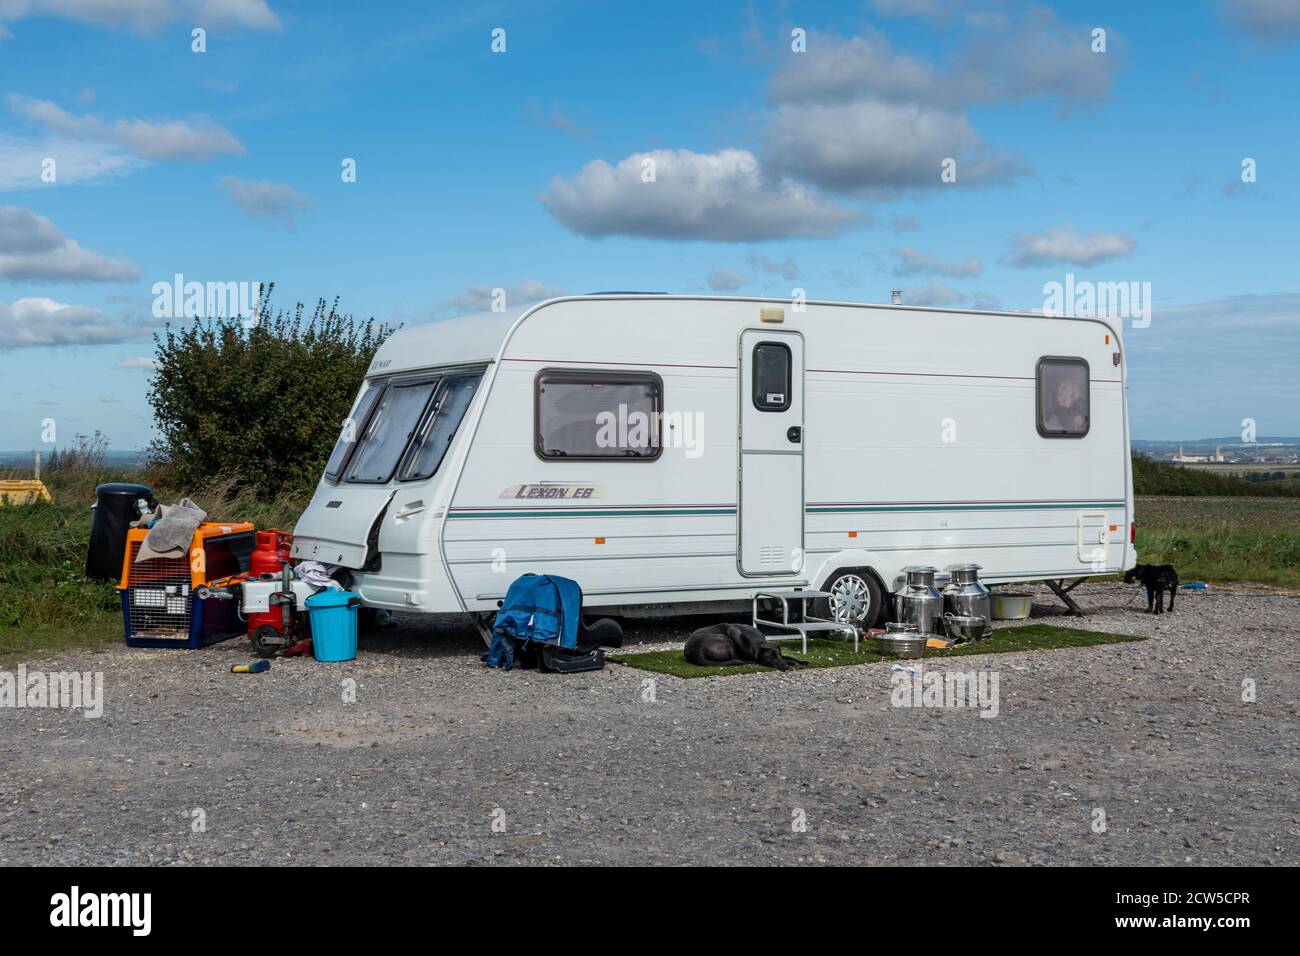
(537, 607)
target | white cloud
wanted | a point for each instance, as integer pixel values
(1032, 55)
(146, 16)
(139, 361)
(1061, 244)
(838, 70)
(23, 231)
(37, 321)
(726, 280)
(925, 9)
(723, 196)
(785, 268)
(878, 147)
(34, 249)
(22, 162)
(265, 198)
(854, 115)
(913, 262)
(1267, 18)
(160, 139)
(253, 14)
(933, 294)
(1037, 55)
(481, 297)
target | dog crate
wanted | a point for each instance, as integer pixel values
(160, 607)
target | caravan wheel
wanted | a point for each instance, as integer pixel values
(855, 598)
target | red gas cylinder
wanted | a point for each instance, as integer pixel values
(270, 554)
(266, 629)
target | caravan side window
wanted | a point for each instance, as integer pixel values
(771, 376)
(1063, 398)
(583, 415)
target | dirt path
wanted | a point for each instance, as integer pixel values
(582, 769)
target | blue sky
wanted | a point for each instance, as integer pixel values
(775, 170)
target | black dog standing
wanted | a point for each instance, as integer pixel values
(1156, 578)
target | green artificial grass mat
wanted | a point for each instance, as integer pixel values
(829, 653)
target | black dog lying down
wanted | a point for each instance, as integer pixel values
(725, 644)
(1157, 578)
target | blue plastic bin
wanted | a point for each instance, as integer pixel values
(333, 625)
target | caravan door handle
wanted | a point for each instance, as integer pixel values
(794, 433)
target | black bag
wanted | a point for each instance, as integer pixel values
(560, 661)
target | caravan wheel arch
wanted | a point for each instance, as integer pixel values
(886, 571)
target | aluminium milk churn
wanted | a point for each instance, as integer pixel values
(966, 596)
(919, 601)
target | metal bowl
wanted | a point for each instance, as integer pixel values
(1011, 605)
(907, 646)
(964, 627)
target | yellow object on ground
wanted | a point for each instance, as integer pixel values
(24, 491)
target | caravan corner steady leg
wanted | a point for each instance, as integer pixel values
(483, 621)
(1063, 592)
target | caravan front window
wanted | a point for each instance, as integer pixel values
(439, 426)
(351, 428)
(388, 431)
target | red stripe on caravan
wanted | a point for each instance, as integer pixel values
(1011, 378)
(857, 371)
(632, 364)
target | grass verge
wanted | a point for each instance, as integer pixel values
(828, 653)
(1223, 539)
(47, 605)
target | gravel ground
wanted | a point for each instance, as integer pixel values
(581, 769)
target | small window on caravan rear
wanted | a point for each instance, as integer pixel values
(1063, 400)
(592, 416)
(771, 377)
(352, 428)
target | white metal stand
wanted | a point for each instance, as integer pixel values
(800, 629)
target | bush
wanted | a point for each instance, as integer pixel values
(257, 403)
(1151, 477)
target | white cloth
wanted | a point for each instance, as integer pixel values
(317, 574)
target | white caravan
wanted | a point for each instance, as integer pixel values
(679, 453)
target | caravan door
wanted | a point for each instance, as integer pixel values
(770, 520)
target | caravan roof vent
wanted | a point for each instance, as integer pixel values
(896, 297)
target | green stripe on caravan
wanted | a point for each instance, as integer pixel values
(688, 510)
